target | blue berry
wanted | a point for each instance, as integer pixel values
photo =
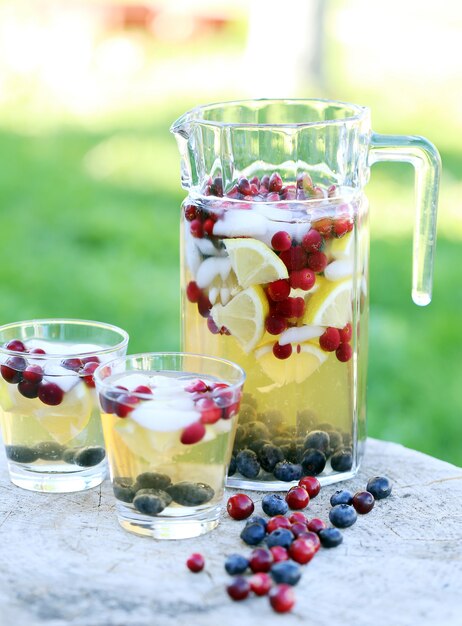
(236, 564)
(317, 439)
(89, 456)
(280, 537)
(256, 519)
(313, 462)
(343, 515)
(152, 480)
(247, 463)
(342, 496)
(124, 489)
(273, 504)
(269, 455)
(232, 466)
(342, 460)
(288, 472)
(151, 501)
(286, 572)
(253, 534)
(379, 486)
(190, 494)
(21, 454)
(330, 537)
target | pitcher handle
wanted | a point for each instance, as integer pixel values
(427, 164)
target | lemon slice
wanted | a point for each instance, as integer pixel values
(253, 262)
(297, 368)
(244, 316)
(343, 248)
(330, 305)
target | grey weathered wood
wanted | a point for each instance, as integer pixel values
(65, 561)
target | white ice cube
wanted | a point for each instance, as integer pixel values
(61, 376)
(299, 334)
(337, 270)
(162, 417)
(206, 247)
(192, 253)
(131, 381)
(211, 268)
(241, 223)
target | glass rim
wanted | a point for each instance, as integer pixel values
(66, 322)
(209, 358)
(357, 113)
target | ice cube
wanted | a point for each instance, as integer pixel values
(299, 334)
(162, 416)
(213, 294)
(337, 270)
(241, 223)
(211, 268)
(59, 375)
(131, 381)
(192, 253)
(206, 247)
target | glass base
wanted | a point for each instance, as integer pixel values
(56, 482)
(168, 527)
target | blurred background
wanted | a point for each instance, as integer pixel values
(89, 174)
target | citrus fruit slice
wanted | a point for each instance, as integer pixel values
(253, 262)
(342, 248)
(297, 368)
(244, 316)
(330, 305)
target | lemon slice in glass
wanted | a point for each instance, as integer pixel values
(330, 305)
(297, 368)
(343, 248)
(244, 316)
(253, 262)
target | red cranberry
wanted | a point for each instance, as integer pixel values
(272, 197)
(208, 227)
(330, 339)
(253, 190)
(279, 553)
(275, 325)
(28, 389)
(197, 386)
(87, 373)
(298, 529)
(73, 364)
(260, 583)
(12, 370)
(90, 359)
(33, 374)
(210, 412)
(239, 589)
(294, 259)
(265, 180)
(124, 404)
(244, 186)
(363, 502)
(346, 333)
(279, 290)
(289, 192)
(213, 328)
(282, 598)
(255, 181)
(302, 279)
(297, 498)
(332, 191)
(275, 182)
(193, 292)
(51, 394)
(195, 562)
(192, 433)
(315, 525)
(291, 307)
(324, 227)
(312, 241)
(302, 550)
(298, 518)
(261, 560)
(240, 506)
(317, 261)
(190, 212)
(342, 226)
(16, 345)
(344, 352)
(312, 538)
(143, 389)
(311, 484)
(278, 521)
(282, 352)
(204, 305)
(197, 230)
(281, 241)
(37, 351)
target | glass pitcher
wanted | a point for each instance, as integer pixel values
(274, 255)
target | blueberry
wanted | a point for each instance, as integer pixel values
(342, 460)
(342, 496)
(256, 519)
(69, 455)
(280, 537)
(253, 534)
(288, 472)
(335, 440)
(232, 466)
(152, 480)
(257, 445)
(291, 452)
(273, 504)
(342, 515)
(330, 537)
(236, 564)
(239, 438)
(21, 454)
(191, 494)
(247, 463)
(282, 440)
(151, 501)
(124, 489)
(256, 431)
(317, 439)
(89, 456)
(305, 420)
(313, 462)
(49, 450)
(379, 486)
(286, 572)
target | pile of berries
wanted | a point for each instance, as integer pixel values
(290, 541)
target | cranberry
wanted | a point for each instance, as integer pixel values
(216, 188)
(37, 351)
(192, 433)
(213, 328)
(298, 518)
(317, 261)
(197, 386)
(311, 484)
(344, 352)
(312, 241)
(291, 307)
(275, 182)
(298, 529)
(330, 339)
(143, 389)
(51, 394)
(273, 197)
(190, 212)
(302, 279)
(16, 345)
(73, 364)
(87, 373)
(281, 241)
(239, 589)
(260, 583)
(124, 404)
(12, 370)
(278, 521)
(28, 389)
(282, 352)
(342, 226)
(279, 290)
(363, 502)
(332, 191)
(208, 227)
(240, 506)
(193, 292)
(315, 525)
(302, 550)
(297, 498)
(265, 181)
(275, 325)
(204, 305)
(243, 186)
(33, 374)
(195, 562)
(197, 230)
(210, 412)
(279, 553)
(324, 227)
(90, 359)
(261, 560)
(282, 598)
(294, 259)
